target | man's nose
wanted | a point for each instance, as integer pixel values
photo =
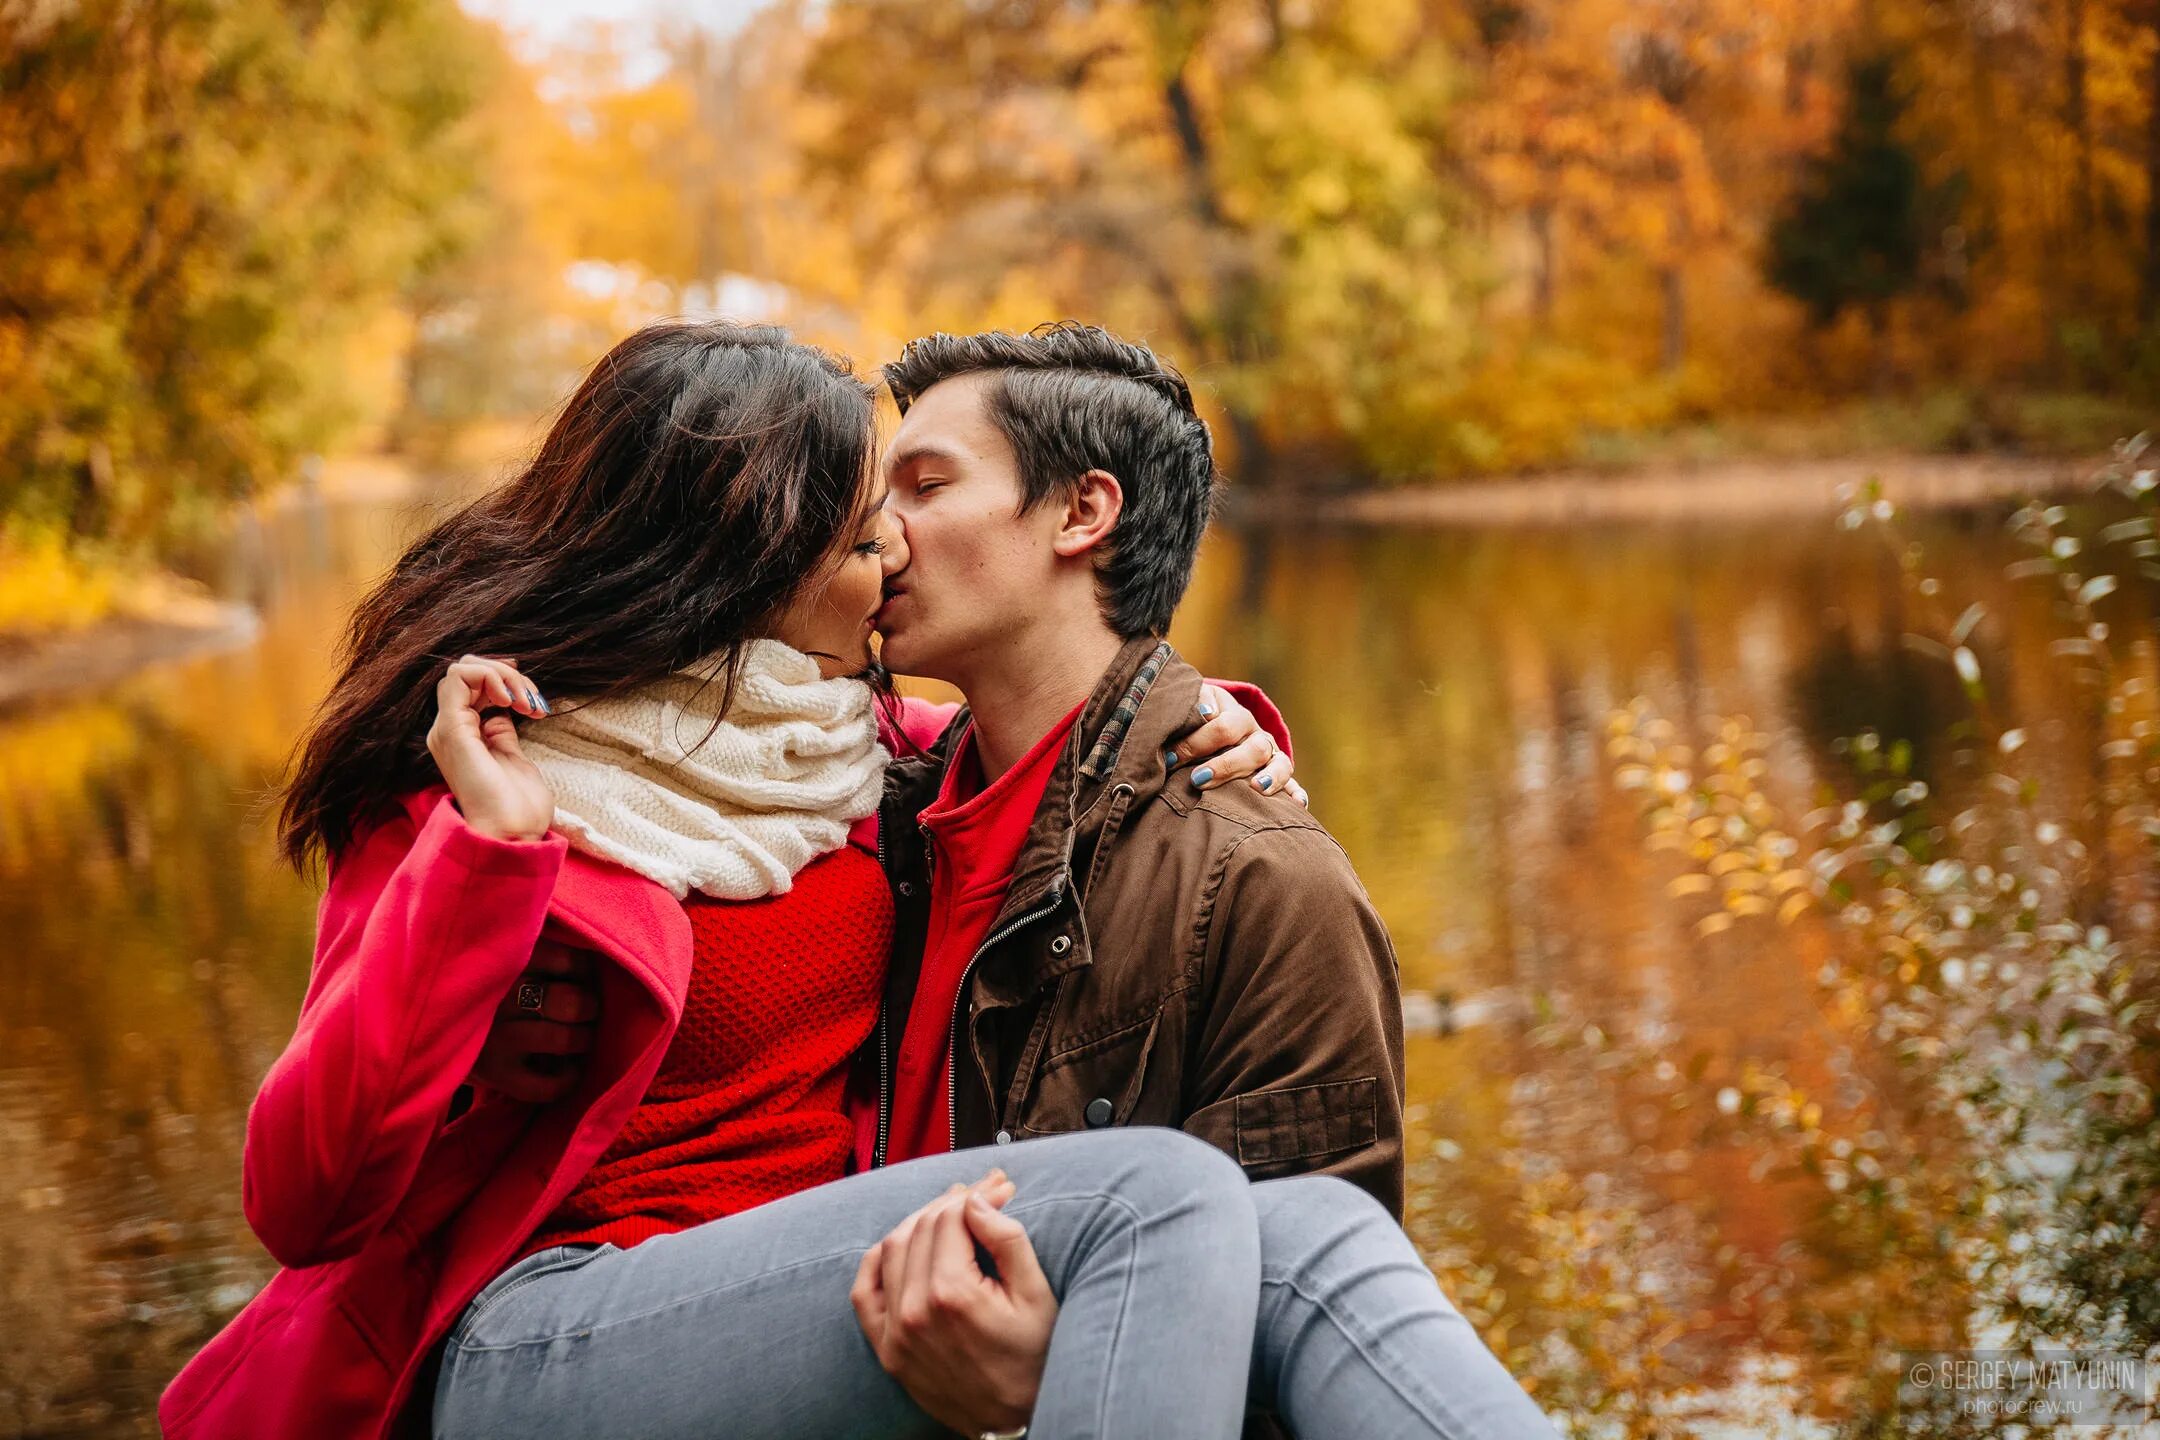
(896, 556)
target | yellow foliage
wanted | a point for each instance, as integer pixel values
(45, 587)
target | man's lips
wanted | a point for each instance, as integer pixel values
(892, 598)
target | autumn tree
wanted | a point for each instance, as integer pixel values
(1264, 190)
(1852, 237)
(197, 203)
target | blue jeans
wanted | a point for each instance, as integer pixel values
(1171, 1312)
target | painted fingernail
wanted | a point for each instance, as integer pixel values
(1169, 759)
(538, 703)
(1207, 711)
(1202, 775)
(1267, 782)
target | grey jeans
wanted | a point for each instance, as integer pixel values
(1172, 1310)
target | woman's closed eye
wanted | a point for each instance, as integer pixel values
(871, 547)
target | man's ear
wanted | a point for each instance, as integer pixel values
(1091, 513)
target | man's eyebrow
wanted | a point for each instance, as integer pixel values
(902, 458)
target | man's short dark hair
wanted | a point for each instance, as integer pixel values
(1072, 398)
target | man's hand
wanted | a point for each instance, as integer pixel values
(532, 1054)
(968, 1347)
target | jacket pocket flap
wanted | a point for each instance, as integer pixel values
(1306, 1120)
(1110, 1068)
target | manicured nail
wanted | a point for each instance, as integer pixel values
(1169, 759)
(1267, 782)
(538, 703)
(1202, 775)
(1207, 711)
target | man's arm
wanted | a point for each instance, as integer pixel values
(1299, 1069)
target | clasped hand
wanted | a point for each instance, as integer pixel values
(967, 1345)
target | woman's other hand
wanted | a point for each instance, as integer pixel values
(968, 1346)
(1231, 745)
(544, 1027)
(498, 789)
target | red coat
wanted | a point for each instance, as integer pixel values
(388, 1220)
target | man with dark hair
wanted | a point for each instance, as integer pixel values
(1069, 399)
(1085, 937)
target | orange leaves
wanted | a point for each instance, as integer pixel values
(1711, 810)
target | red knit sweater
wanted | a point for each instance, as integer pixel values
(747, 1105)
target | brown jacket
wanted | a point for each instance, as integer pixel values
(1163, 957)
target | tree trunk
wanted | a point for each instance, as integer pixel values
(1235, 304)
(1879, 328)
(1192, 145)
(1255, 464)
(2149, 301)
(2076, 118)
(1673, 289)
(1541, 233)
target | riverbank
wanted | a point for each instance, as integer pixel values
(110, 650)
(186, 624)
(1716, 493)
(158, 618)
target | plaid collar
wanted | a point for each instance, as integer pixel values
(1104, 755)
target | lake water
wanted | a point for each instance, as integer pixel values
(1449, 691)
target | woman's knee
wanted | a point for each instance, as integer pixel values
(1303, 1216)
(1301, 1198)
(1161, 1172)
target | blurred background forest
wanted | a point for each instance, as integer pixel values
(1775, 878)
(1403, 241)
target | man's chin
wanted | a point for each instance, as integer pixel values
(892, 654)
(903, 653)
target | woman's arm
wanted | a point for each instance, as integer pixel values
(921, 722)
(425, 925)
(423, 930)
(916, 725)
(1253, 698)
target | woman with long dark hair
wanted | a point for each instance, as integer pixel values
(690, 567)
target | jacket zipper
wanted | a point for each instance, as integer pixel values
(884, 1047)
(883, 1142)
(952, 1033)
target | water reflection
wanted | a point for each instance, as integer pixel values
(158, 954)
(1449, 692)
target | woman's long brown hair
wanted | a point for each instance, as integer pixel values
(700, 477)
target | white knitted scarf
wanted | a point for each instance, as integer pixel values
(731, 805)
